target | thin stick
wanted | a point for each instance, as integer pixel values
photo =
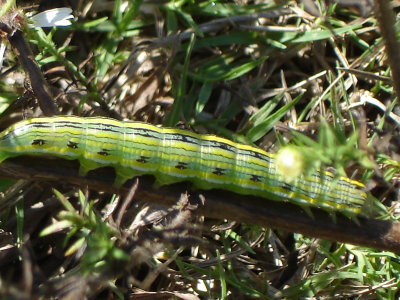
(373, 233)
(387, 25)
(27, 60)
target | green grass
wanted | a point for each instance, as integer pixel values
(269, 83)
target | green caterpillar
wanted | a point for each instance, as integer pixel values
(173, 155)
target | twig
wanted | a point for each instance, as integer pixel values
(387, 20)
(373, 233)
(26, 58)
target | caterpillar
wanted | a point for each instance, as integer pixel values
(174, 155)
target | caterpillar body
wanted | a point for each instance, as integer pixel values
(173, 155)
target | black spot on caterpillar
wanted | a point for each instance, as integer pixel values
(72, 145)
(38, 142)
(219, 171)
(181, 165)
(104, 152)
(143, 159)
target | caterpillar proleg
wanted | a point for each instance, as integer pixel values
(174, 155)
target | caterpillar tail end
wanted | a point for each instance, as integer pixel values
(370, 206)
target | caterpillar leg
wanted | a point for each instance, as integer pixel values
(4, 156)
(122, 174)
(86, 166)
(162, 179)
(308, 211)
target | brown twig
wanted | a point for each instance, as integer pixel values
(27, 60)
(387, 20)
(374, 233)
